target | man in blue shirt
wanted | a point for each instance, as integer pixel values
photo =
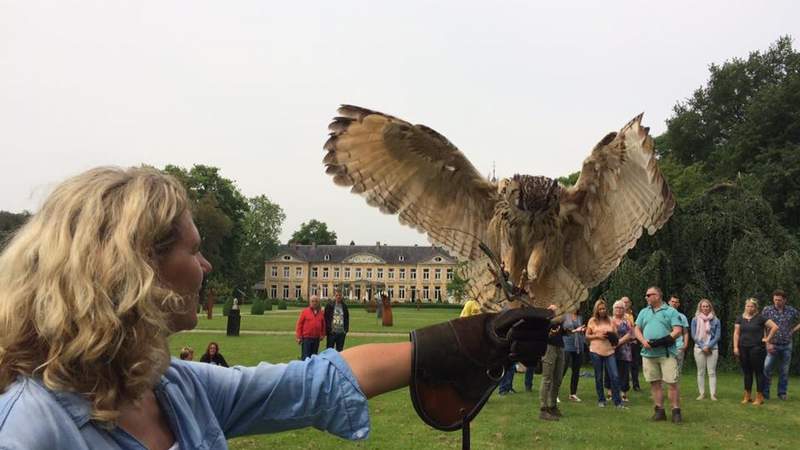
(657, 327)
(682, 342)
(780, 347)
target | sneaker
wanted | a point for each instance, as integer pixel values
(676, 415)
(659, 414)
(700, 397)
(783, 396)
(575, 398)
(625, 398)
(621, 406)
(556, 412)
(713, 398)
(558, 400)
(601, 404)
(547, 415)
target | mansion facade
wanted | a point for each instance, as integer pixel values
(404, 273)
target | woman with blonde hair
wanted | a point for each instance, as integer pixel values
(749, 347)
(94, 283)
(706, 333)
(603, 339)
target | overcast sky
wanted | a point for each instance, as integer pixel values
(250, 87)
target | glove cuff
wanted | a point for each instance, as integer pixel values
(453, 371)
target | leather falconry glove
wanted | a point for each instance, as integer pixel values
(457, 364)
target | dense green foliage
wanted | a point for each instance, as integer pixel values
(731, 155)
(238, 233)
(9, 222)
(313, 232)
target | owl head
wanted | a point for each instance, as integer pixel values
(529, 193)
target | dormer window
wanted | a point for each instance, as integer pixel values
(327, 257)
(401, 258)
(438, 259)
(287, 258)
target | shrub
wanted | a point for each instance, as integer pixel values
(268, 304)
(257, 308)
(282, 304)
(227, 306)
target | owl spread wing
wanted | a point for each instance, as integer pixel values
(412, 171)
(620, 191)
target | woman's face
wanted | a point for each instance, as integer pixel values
(601, 311)
(750, 308)
(182, 269)
(619, 311)
(705, 308)
(212, 349)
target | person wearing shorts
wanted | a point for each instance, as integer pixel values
(659, 321)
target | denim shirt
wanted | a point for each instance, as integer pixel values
(204, 405)
(713, 339)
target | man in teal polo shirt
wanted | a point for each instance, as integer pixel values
(659, 324)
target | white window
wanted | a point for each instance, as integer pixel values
(346, 273)
(426, 274)
(298, 272)
(425, 293)
(380, 274)
(336, 272)
(273, 291)
(449, 274)
(274, 271)
(391, 274)
(324, 291)
(437, 293)
(358, 292)
(414, 295)
(402, 273)
(298, 291)
(285, 271)
(358, 273)
(285, 291)
(325, 272)
(401, 292)
(437, 274)
(314, 289)
(390, 292)
(314, 272)
(413, 274)
(369, 274)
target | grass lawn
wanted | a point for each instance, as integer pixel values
(512, 421)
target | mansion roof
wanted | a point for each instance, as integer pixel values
(385, 254)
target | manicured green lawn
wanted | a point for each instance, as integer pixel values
(512, 421)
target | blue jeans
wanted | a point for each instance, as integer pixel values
(603, 364)
(529, 378)
(784, 353)
(507, 382)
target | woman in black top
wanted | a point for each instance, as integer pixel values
(748, 346)
(213, 356)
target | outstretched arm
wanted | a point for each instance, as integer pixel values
(380, 368)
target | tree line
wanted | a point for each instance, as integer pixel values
(731, 155)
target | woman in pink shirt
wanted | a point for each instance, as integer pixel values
(603, 339)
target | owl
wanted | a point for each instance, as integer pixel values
(555, 242)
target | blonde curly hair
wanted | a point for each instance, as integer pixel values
(81, 306)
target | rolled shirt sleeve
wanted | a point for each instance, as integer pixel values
(321, 392)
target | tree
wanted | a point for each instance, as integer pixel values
(313, 232)
(261, 227)
(457, 287)
(9, 223)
